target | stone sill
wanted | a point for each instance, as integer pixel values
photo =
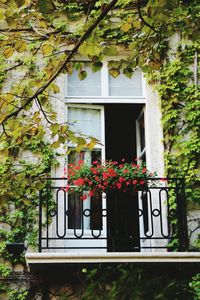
(112, 257)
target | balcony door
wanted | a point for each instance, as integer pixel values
(114, 125)
(120, 140)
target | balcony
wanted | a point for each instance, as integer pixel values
(149, 224)
(145, 220)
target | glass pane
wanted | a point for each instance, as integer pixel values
(87, 156)
(86, 121)
(75, 207)
(84, 214)
(90, 86)
(124, 86)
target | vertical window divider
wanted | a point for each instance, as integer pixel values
(104, 80)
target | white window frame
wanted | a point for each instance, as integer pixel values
(140, 151)
(105, 98)
(88, 232)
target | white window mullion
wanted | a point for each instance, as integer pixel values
(104, 81)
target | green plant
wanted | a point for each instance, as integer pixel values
(195, 285)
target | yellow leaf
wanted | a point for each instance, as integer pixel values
(126, 27)
(8, 52)
(20, 46)
(137, 24)
(114, 72)
(55, 88)
(154, 64)
(47, 49)
(43, 24)
(91, 145)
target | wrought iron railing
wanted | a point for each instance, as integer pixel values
(151, 218)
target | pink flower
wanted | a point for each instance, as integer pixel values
(144, 170)
(134, 181)
(67, 188)
(142, 182)
(118, 184)
(163, 179)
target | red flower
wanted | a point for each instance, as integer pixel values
(105, 175)
(118, 184)
(121, 179)
(95, 162)
(126, 171)
(94, 171)
(134, 181)
(79, 181)
(84, 197)
(142, 182)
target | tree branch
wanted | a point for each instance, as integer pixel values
(42, 110)
(142, 19)
(104, 12)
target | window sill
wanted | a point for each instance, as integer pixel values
(112, 257)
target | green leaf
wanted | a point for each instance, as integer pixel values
(97, 66)
(82, 75)
(128, 72)
(54, 128)
(110, 51)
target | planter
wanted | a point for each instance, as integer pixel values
(15, 248)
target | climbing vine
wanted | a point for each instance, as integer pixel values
(180, 98)
(39, 42)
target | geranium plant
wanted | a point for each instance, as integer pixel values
(105, 177)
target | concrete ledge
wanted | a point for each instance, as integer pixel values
(112, 257)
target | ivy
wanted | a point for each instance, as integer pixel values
(36, 39)
(181, 115)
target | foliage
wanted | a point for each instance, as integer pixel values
(127, 281)
(39, 40)
(18, 294)
(180, 98)
(105, 177)
(195, 285)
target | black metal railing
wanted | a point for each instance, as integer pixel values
(151, 218)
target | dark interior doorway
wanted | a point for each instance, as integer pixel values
(120, 143)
